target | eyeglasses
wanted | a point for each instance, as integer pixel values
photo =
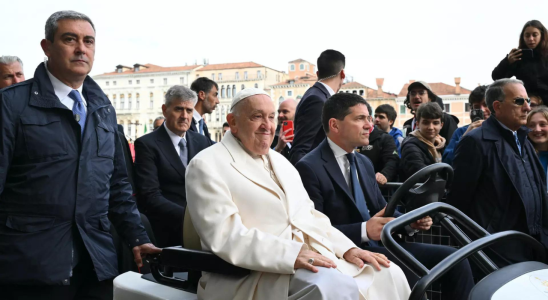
(415, 93)
(521, 101)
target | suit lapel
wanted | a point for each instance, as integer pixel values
(167, 148)
(190, 144)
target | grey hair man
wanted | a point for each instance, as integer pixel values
(499, 182)
(11, 71)
(158, 122)
(161, 159)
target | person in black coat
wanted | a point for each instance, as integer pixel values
(208, 99)
(499, 181)
(382, 152)
(308, 128)
(63, 178)
(533, 71)
(420, 92)
(160, 167)
(326, 173)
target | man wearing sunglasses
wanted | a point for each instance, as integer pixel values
(498, 177)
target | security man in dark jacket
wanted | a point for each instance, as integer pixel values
(499, 182)
(62, 176)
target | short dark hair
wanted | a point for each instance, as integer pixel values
(338, 107)
(330, 63)
(53, 20)
(429, 110)
(477, 95)
(389, 111)
(203, 84)
(225, 124)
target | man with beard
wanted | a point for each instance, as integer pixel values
(207, 91)
(419, 92)
(282, 140)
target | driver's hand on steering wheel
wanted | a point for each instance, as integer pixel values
(375, 225)
(422, 224)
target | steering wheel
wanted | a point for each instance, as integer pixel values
(429, 191)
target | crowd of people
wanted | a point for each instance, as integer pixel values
(289, 204)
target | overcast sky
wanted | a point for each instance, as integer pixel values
(434, 41)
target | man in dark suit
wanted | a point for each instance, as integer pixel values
(62, 176)
(161, 158)
(283, 140)
(127, 157)
(308, 128)
(342, 185)
(499, 182)
(207, 91)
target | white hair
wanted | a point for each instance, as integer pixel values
(6, 60)
(182, 93)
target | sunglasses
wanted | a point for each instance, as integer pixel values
(521, 101)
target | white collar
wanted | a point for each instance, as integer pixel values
(329, 89)
(196, 116)
(175, 139)
(337, 151)
(505, 127)
(62, 90)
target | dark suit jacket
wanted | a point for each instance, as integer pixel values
(160, 177)
(323, 180)
(285, 150)
(59, 187)
(127, 157)
(383, 154)
(485, 186)
(414, 157)
(193, 125)
(308, 122)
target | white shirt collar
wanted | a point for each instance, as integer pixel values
(196, 116)
(62, 90)
(175, 139)
(337, 151)
(329, 89)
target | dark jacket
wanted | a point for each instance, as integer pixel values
(383, 154)
(54, 182)
(414, 157)
(193, 126)
(491, 186)
(533, 73)
(127, 157)
(160, 176)
(323, 180)
(308, 122)
(286, 149)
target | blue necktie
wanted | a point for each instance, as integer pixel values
(78, 109)
(517, 142)
(201, 126)
(356, 188)
(183, 154)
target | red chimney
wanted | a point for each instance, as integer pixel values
(380, 82)
(457, 85)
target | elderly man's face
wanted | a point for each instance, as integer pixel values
(72, 51)
(507, 112)
(178, 115)
(255, 125)
(11, 74)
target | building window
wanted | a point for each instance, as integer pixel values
(355, 92)
(233, 90)
(289, 93)
(122, 102)
(165, 81)
(222, 91)
(243, 86)
(137, 81)
(402, 109)
(114, 101)
(292, 67)
(114, 83)
(107, 83)
(301, 67)
(256, 85)
(467, 107)
(129, 82)
(217, 115)
(281, 99)
(299, 97)
(237, 75)
(259, 74)
(137, 101)
(447, 107)
(152, 81)
(245, 75)
(213, 76)
(129, 101)
(151, 105)
(182, 80)
(228, 92)
(220, 76)
(361, 92)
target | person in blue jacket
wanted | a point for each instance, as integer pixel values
(63, 177)
(476, 100)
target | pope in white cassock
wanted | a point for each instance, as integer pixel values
(250, 208)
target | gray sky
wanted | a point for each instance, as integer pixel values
(433, 41)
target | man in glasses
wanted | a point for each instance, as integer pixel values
(419, 92)
(498, 178)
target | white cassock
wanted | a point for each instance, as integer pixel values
(257, 217)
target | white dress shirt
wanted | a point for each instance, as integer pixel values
(175, 139)
(344, 165)
(197, 118)
(329, 89)
(62, 91)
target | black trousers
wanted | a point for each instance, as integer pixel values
(83, 286)
(456, 283)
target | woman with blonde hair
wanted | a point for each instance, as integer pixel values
(537, 121)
